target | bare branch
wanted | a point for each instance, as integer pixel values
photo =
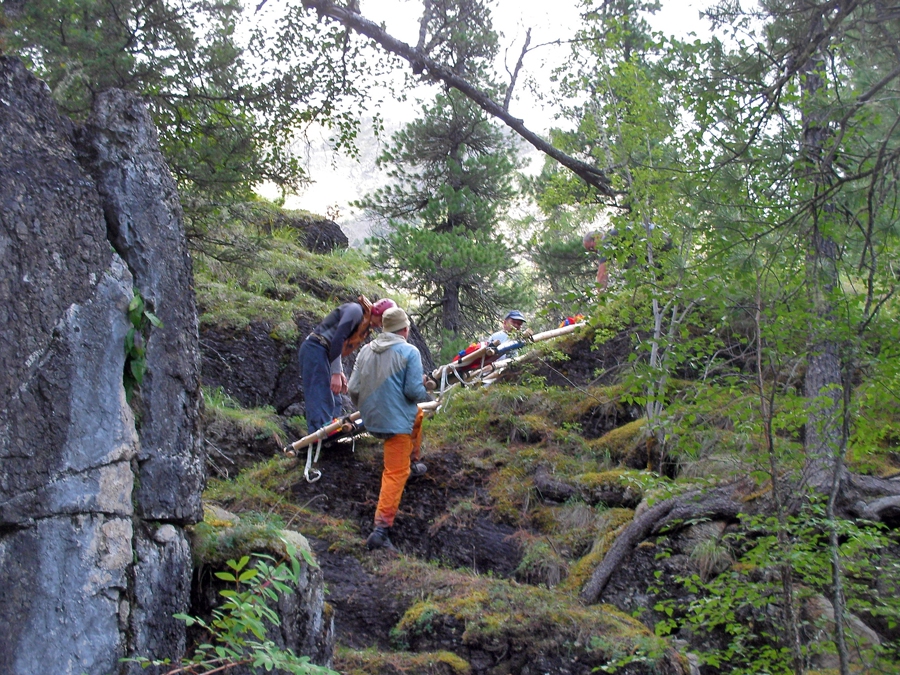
(514, 75)
(423, 24)
(422, 63)
(723, 503)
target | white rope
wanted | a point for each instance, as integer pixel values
(310, 461)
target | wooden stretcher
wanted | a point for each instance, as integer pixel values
(347, 428)
(472, 367)
(482, 365)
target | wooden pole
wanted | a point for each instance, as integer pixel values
(320, 434)
(328, 429)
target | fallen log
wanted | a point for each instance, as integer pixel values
(721, 504)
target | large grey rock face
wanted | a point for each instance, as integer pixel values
(53, 254)
(67, 436)
(94, 498)
(162, 561)
(145, 224)
(86, 579)
(65, 588)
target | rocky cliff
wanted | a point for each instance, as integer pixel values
(95, 492)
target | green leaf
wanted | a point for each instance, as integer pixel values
(155, 320)
(138, 367)
(247, 575)
(136, 305)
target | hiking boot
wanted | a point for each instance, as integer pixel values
(379, 539)
(417, 469)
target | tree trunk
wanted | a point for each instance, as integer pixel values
(823, 382)
(823, 385)
(450, 308)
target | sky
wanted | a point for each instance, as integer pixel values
(338, 180)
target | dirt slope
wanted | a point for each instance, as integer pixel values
(470, 589)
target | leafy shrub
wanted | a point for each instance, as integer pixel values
(237, 631)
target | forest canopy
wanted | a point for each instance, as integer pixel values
(750, 177)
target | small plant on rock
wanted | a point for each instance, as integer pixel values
(237, 631)
(141, 320)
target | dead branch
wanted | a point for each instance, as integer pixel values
(625, 543)
(514, 75)
(421, 63)
(872, 498)
(720, 504)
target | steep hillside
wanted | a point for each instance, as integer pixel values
(263, 281)
(551, 534)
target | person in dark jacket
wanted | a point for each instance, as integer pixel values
(321, 371)
(387, 384)
(592, 242)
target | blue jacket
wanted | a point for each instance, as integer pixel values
(386, 384)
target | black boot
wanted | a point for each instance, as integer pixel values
(379, 539)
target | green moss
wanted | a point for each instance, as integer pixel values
(510, 489)
(619, 442)
(420, 615)
(216, 538)
(572, 527)
(257, 271)
(242, 493)
(368, 661)
(497, 613)
(262, 489)
(257, 422)
(515, 413)
(881, 464)
(572, 405)
(603, 479)
(530, 428)
(541, 563)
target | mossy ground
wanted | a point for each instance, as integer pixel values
(489, 569)
(258, 270)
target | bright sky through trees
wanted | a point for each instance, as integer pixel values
(339, 180)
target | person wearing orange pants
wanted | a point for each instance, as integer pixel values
(387, 384)
(402, 453)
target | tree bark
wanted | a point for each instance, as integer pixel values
(450, 308)
(633, 535)
(823, 383)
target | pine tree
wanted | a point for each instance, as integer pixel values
(451, 182)
(228, 103)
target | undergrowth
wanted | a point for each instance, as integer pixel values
(500, 614)
(264, 489)
(257, 270)
(367, 661)
(261, 421)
